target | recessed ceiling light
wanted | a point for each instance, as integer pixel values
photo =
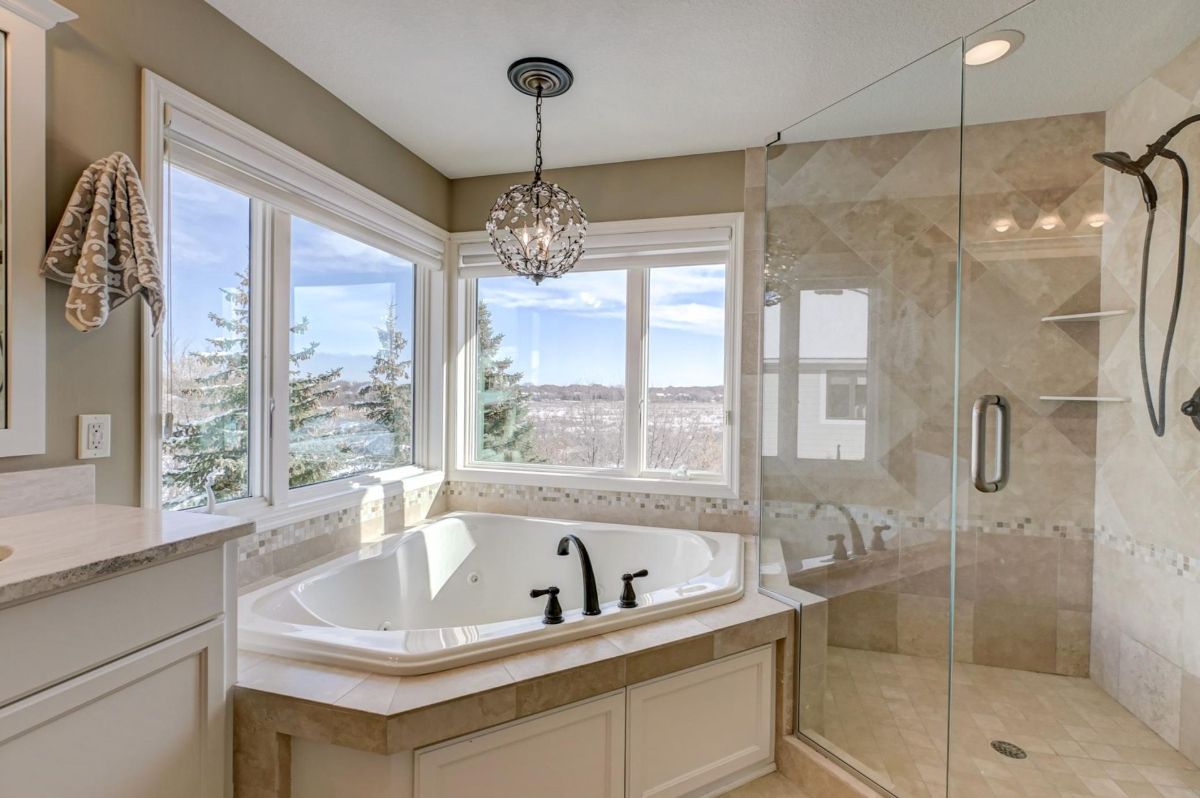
(1002, 225)
(992, 46)
(1049, 222)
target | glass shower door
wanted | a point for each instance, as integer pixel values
(1076, 606)
(858, 387)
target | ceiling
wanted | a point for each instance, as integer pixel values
(1078, 56)
(654, 78)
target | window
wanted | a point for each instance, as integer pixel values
(350, 357)
(845, 395)
(292, 364)
(620, 370)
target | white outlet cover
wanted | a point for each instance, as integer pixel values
(95, 436)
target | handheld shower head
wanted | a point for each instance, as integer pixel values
(1124, 163)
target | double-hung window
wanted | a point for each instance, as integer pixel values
(620, 374)
(291, 363)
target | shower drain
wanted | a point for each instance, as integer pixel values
(1008, 749)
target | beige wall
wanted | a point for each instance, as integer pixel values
(93, 101)
(1146, 611)
(683, 186)
(93, 97)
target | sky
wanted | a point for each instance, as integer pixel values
(342, 286)
(567, 330)
(572, 329)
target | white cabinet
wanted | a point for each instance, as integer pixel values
(577, 752)
(117, 688)
(690, 732)
(148, 725)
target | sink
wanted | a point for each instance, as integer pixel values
(5, 552)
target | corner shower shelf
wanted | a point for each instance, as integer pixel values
(1083, 398)
(1093, 316)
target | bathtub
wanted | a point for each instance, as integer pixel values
(455, 590)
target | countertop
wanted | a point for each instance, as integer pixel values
(67, 547)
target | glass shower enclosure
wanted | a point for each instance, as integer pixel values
(962, 489)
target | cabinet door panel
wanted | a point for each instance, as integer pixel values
(146, 726)
(691, 730)
(577, 752)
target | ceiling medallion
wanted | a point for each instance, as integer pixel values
(537, 228)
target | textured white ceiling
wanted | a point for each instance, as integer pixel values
(653, 77)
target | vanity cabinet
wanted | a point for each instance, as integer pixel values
(118, 687)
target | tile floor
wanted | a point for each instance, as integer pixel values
(888, 713)
(769, 786)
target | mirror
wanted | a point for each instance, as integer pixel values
(3, 238)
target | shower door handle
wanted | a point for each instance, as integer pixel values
(979, 414)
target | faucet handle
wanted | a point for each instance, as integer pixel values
(877, 543)
(553, 613)
(628, 596)
(839, 546)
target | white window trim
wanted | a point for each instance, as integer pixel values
(308, 188)
(461, 281)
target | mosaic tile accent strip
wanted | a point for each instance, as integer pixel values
(898, 519)
(622, 500)
(1168, 560)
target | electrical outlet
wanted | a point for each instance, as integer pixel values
(95, 436)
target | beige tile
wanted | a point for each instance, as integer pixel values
(772, 786)
(1189, 718)
(567, 686)
(1073, 642)
(1015, 636)
(1151, 688)
(450, 719)
(865, 619)
(668, 658)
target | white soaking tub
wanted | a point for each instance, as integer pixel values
(455, 590)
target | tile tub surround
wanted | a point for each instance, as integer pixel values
(1017, 580)
(277, 699)
(1146, 613)
(277, 550)
(69, 547)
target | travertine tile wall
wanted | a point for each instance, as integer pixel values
(715, 515)
(881, 213)
(1146, 608)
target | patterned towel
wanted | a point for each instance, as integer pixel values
(104, 246)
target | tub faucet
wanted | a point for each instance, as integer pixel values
(857, 547)
(591, 600)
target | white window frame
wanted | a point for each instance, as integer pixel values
(663, 243)
(283, 182)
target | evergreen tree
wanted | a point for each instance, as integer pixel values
(307, 393)
(217, 442)
(508, 433)
(387, 398)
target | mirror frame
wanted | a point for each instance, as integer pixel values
(25, 23)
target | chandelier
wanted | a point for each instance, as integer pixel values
(537, 229)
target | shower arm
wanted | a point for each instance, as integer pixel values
(1159, 147)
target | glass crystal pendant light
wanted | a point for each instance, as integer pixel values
(537, 229)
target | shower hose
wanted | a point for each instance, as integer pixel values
(1158, 418)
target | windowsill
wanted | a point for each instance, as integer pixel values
(315, 500)
(606, 482)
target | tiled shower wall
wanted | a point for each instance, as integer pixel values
(881, 212)
(1146, 612)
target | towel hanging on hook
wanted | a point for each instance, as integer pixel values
(104, 247)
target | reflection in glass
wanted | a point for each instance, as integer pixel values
(832, 357)
(4, 333)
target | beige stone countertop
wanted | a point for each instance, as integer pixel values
(384, 714)
(67, 547)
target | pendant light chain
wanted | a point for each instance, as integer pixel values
(537, 229)
(537, 160)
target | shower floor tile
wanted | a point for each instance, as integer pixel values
(886, 715)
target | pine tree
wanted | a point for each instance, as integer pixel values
(217, 442)
(508, 433)
(306, 394)
(387, 398)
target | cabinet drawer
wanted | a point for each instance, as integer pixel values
(68, 633)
